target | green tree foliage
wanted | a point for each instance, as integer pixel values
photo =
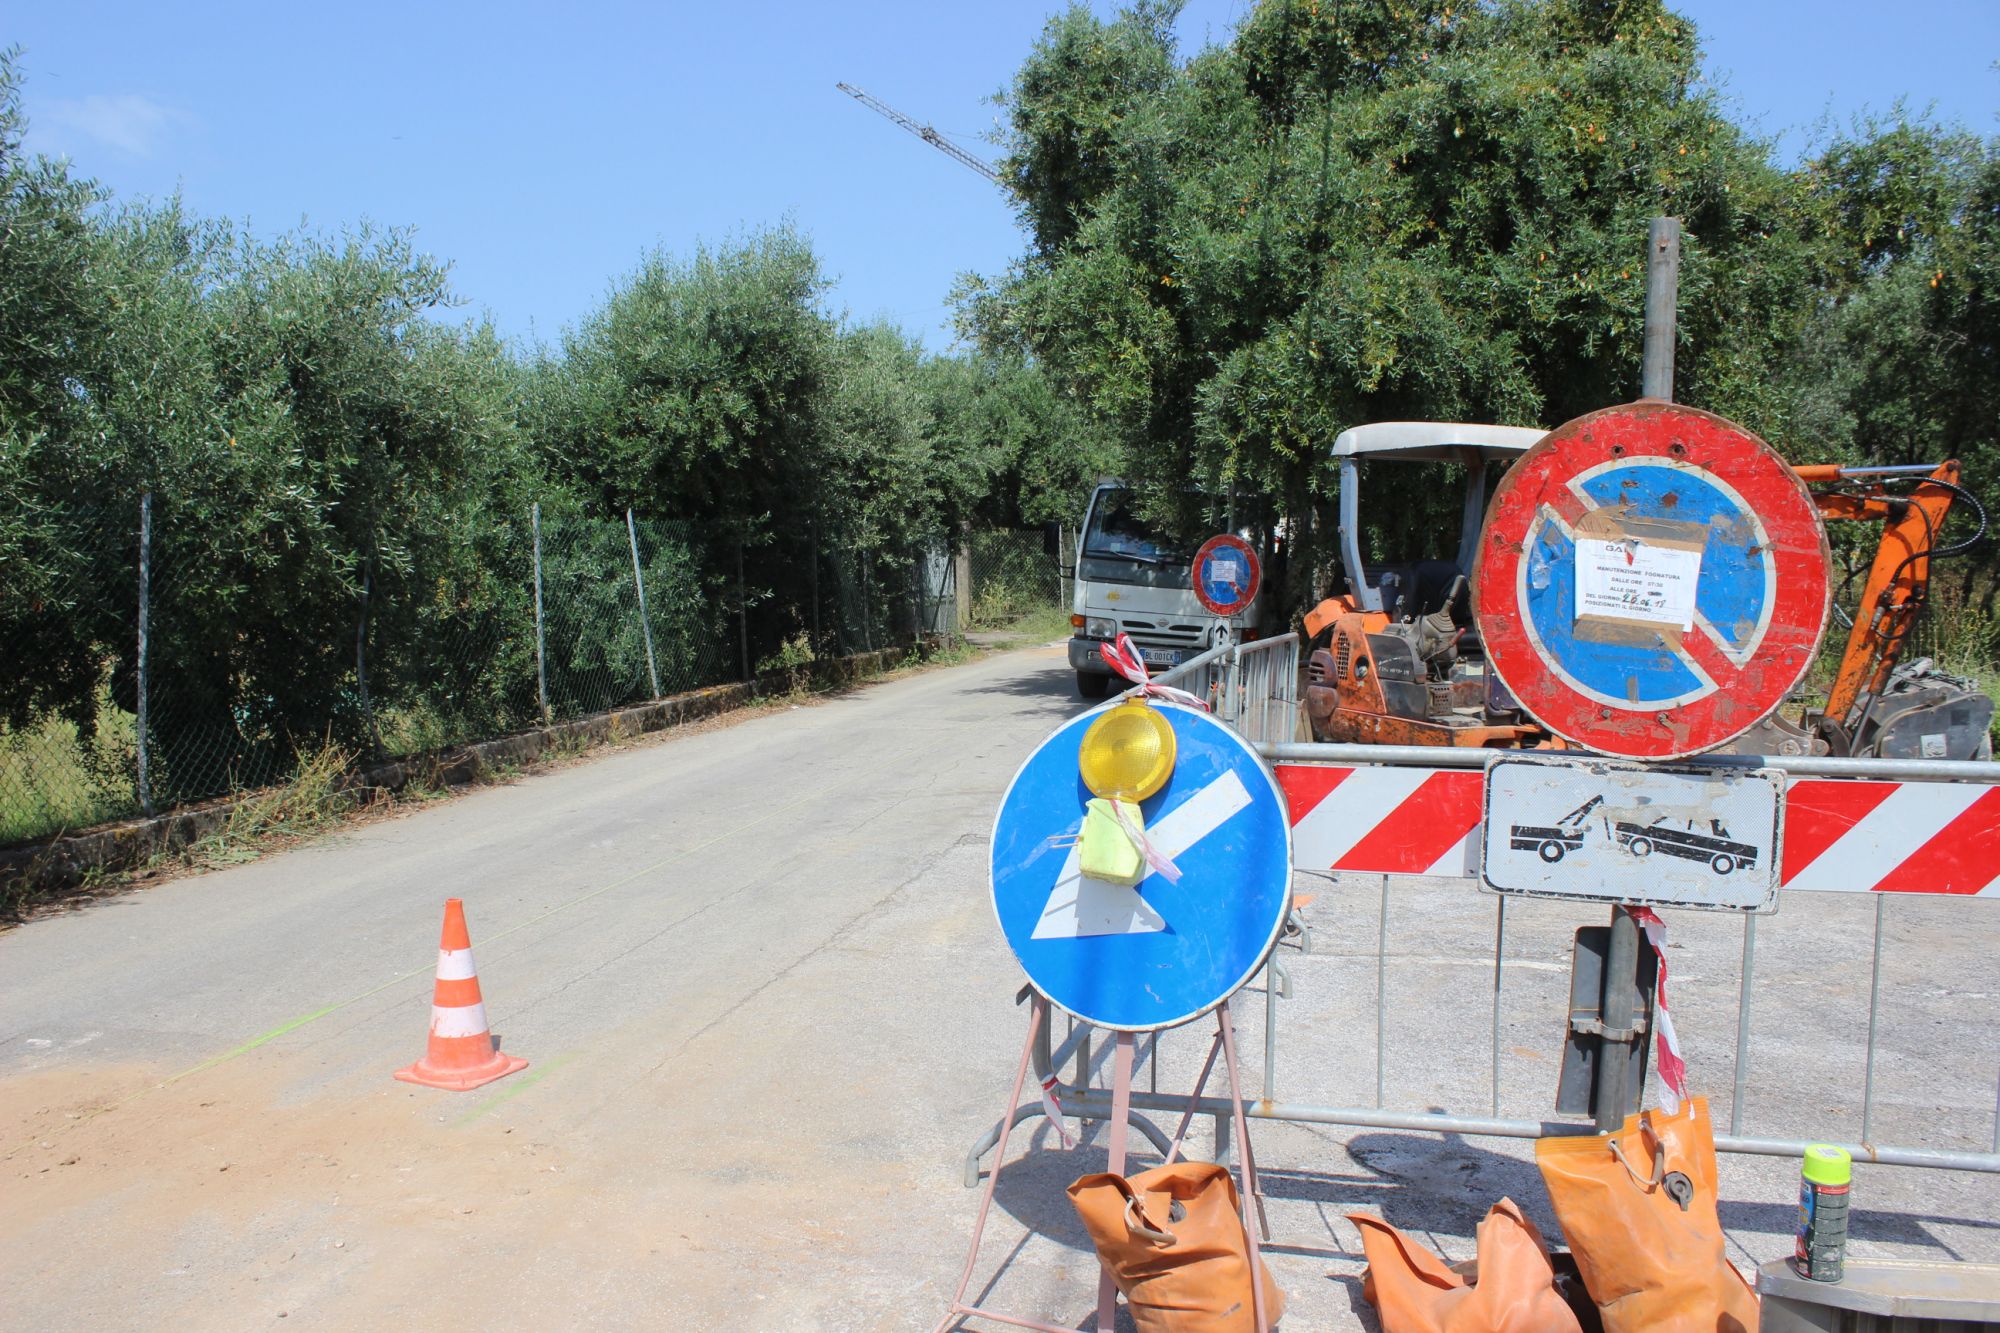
(341, 478)
(346, 493)
(325, 462)
(1900, 363)
(1070, 101)
(698, 384)
(1380, 210)
(54, 322)
(718, 391)
(876, 483)
(1012, 448)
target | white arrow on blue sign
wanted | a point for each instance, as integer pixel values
(1160, 953)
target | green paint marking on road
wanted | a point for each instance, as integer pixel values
(262, 1038)
(515, 1087)
(289, 1025)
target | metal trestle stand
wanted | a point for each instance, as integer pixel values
(1224, 1044)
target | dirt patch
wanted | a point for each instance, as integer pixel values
(206, 1188)
(205, 1202)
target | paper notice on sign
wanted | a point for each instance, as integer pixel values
(1635, 580)
(1225, 570)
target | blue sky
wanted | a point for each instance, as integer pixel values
(543, 155)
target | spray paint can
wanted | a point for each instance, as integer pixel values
(1822, 1238)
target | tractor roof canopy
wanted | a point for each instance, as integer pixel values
(1436, 441)
(1419, 442)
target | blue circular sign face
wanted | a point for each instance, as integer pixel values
(1734, 586)
(1159, 953)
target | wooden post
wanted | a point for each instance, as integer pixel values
(1663, 281)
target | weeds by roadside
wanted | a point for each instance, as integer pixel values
(954, 652)
(1042, 626)
(317, 798)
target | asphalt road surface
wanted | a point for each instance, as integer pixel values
(767, 1011)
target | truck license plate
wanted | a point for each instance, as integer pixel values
(1160, 657)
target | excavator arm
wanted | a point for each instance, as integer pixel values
(1899, 578)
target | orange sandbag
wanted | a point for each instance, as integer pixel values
(1173, 1239)
(1512, 1288)
(1652, 1265)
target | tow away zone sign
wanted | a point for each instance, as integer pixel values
(1606, 831)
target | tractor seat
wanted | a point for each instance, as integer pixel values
(1418, 589)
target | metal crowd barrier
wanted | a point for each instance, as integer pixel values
(1795, 768)
(1253, 686)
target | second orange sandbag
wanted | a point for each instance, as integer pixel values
(1512, 1289)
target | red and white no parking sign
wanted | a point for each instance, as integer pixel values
(1651, 581)
(1226, 574)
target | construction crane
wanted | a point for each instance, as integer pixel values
(924, 132)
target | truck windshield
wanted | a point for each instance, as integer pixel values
(1117, 531)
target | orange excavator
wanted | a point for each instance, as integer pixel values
(1879, 705)
(1402, 663)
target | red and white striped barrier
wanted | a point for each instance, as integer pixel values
(1385, 821)
(1841, 835)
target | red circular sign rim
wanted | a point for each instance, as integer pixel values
(1802, 596)
(1209, 547)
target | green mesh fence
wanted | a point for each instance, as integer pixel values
(396, 654)
(1011, 574)
(596, 645)
(68, 600)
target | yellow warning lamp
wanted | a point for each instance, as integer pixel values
(1126, 756)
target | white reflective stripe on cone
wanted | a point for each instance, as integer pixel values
(464, 1021)
(455, 965)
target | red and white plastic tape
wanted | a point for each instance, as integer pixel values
(1124, 657)
(1671, 1064)
(1840, 836)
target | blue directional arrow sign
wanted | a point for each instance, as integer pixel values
(1156, 954)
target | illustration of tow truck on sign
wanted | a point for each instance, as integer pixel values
(1553, 841)
(1639, 840)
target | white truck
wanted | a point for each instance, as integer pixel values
(1131, 578)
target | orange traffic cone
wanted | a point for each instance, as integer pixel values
(462, 1052)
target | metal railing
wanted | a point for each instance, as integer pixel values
(1078, 1097)
(1254, 686)
(1793, 766)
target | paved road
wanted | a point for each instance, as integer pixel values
(756, 974)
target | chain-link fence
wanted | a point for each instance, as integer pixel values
(72, 579)
(1013, 573)
(491, 629)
